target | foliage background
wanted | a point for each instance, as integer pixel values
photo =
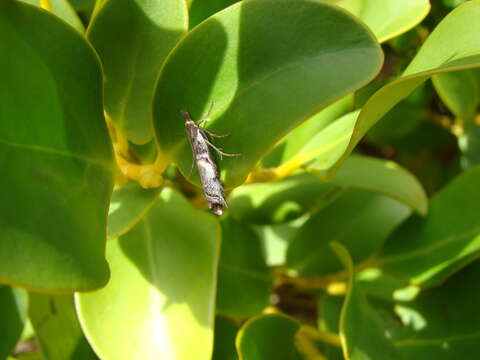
(352, 227)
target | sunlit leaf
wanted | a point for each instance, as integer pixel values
(127, 207)
(247, 61)
(452, 46)
(55, 152)
(443, 323)
(384, 177)
(426, 250)
(357, 219)
(387, 18)
(281, 201)
(361, 330)
(64, 11)
(159, 303)
(133, 38)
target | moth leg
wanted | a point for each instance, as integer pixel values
(191, 168)
(213, 134)
(219, 150)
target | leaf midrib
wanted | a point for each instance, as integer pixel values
(52, 151)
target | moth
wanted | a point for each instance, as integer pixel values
(207, 168)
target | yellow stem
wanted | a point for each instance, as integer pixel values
(323, 336)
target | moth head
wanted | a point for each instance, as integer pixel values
(188, 120)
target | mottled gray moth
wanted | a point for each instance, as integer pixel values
(207, 168)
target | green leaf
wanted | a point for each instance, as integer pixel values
(376, 283)
(64, 11)
(275, 240)
(403, 119)
(431, 152)
(324, 149)
(202, 9)
(385, 177)
(292, 197)
(428, 250)
(13, 312)
(162, 291)
(460, 92)
(329, 310)
(225, 333)
(452, 46)
(361, 331)
(248, 60)
(442, 324)
(268, 337)
(388, 18)
(127, 207)
(281, 201)
(470, 145)
(357, 219)
(244, 279)
(56, 155)
(57, 329)
(298, 137)
(148, 31)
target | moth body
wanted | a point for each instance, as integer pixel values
(207, 169)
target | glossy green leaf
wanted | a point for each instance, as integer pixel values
(460, 92)
(387, 18)
(452, 46)
(55, 153)
(281, 201)
(357, 219)
(294, 196)
(403, 119)
(225, 333)
(452, 3)
(275, 240)
(159, 303)
(57, 329)
(27, 356)
(443, 323)
(202, 9)
(127, 207)
(13, 313)
(248, 60)
(324, 149)
(244, 279)
(64, 11)
(361, 330)
(385, 177)
(428, 250)
(268, 337)
(298, 137)
(431, 152)
(329, 310)
(376, 283)
(133, 38)
(469, 143)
